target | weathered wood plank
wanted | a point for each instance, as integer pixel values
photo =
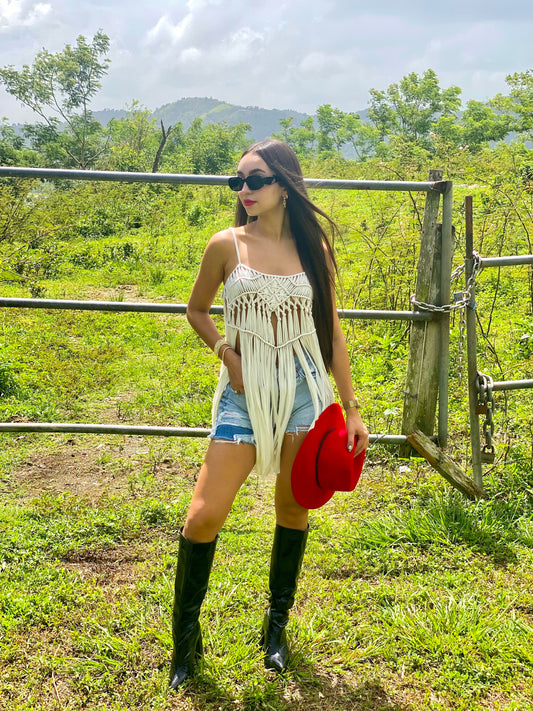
(421, 381)
(451, 471)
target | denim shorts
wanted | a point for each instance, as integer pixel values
(233, 421)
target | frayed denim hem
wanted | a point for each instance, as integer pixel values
(232, 434)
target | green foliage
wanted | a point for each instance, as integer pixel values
(482, 124)
(410, 108)
(133, 141)
(8, 381)
(12, 149)
(59, 88)
(210, 149)
(519, 103)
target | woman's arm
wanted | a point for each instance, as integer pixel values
(340, 369)
(210, 277)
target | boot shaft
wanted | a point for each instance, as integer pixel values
(192, 577)
(285, 565)
(195, 561)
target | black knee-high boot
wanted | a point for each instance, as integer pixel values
(285, 564)
(192, 577)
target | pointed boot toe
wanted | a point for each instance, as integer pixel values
(274, 642)
(180, 676)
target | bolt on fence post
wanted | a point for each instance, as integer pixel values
(471, 346)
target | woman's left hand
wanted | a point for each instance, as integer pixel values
(356, 428)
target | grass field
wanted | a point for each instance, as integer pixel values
(411, 598)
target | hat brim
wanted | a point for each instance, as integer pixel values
(305, 485)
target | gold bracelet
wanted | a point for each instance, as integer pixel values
(228, 347)
(218, 345)
(350, 404)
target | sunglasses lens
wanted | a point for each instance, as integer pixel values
(255, 182)
(235, 183)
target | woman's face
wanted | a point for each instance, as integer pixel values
(269, 197)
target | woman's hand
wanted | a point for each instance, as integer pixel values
(356, 428)
(232, 361)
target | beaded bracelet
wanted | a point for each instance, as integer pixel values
(228, 347)
(218, 345)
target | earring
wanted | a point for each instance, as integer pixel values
(284, 202)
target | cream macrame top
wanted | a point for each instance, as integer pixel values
(272, 317)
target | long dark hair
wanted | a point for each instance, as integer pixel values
(307, 231)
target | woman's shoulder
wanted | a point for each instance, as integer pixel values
(220, 249)
(221, 241)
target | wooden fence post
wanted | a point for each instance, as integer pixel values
(422, 378)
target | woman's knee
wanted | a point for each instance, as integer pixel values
(291, 515)
(202, 524)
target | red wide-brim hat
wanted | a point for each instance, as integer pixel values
(323, 464)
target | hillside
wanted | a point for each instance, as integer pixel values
(263, 122)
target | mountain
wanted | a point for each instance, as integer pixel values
(105, 116)
(264, 122)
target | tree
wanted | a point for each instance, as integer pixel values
(133, 141)
(10, 144)
(478, 126)
(212, 149)
(59, 88)
(336, 129)
(12, 149)
(519, 103)
(330, 122)
(363, 137)
(481, 125)
(409, 109)
(302, 138)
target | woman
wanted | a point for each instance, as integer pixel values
(282, 337)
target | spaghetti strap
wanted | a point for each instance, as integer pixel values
(236, 245)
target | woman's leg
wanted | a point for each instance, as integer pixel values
(225, 468)
(289, 513)
(286, 560)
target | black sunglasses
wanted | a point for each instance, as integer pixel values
(254, 182)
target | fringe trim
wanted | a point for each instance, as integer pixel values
(273, 325)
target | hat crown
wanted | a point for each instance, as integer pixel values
(323, 464)
(334, 464)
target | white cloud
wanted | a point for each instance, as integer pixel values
(165, 31)
(18, 13)
(294, 54)
(244, 45)
(191, 55)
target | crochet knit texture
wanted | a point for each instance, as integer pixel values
(271, 317)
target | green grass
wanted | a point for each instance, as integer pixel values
(411, 598)
(425, 605)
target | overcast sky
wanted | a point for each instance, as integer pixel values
(286, 54)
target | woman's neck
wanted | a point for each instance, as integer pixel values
(274, 227)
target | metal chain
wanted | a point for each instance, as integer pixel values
(463, 298)
(484, 383)
(485, 407)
